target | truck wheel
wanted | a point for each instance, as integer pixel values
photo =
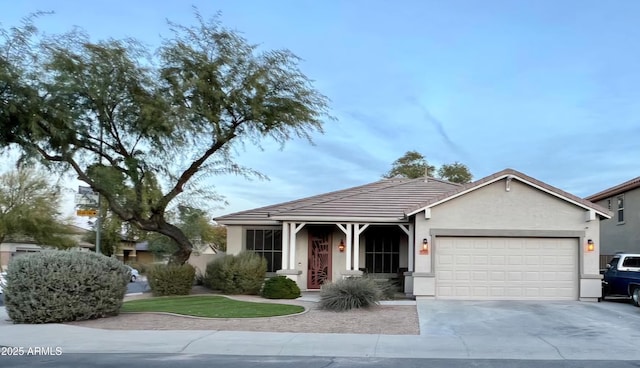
(635, 297)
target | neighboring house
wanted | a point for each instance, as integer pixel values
(506, 236)
(145, 256)
(621, 233)
(16, 246)
(126, 250)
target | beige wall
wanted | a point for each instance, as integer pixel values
(7, 251)
(200, 261)
(521, 210)
(235, 239)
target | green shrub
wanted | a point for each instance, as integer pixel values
(280, 287)
(61, 286)
(240, 274)
(349, 293)
(171, 279)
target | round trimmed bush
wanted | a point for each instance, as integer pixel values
(237, 274)
(171, 279)
(280, 287)
(62, 286)
(349, 293)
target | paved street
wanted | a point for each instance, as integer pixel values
(139, 286)
(562, 331)
(226, 361)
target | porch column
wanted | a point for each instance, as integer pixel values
(359, 228)
(285, 245)
(292, 243)
(347, 230)
(408, 229)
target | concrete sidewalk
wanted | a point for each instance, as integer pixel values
(433, 343)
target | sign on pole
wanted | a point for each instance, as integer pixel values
(87, 200)
(87, 213)
(84, 190)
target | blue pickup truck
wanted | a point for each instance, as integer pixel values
(622, 277)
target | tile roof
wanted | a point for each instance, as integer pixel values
(387, 198)
(392, 199)
(618, 189)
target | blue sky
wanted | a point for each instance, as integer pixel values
(549, 88)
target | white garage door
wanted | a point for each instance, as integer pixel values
(506, 268)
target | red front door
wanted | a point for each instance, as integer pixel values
(319, 258)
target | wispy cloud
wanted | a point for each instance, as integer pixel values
(439, 126)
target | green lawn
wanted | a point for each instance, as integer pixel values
(209, 306)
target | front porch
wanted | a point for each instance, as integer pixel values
(316, 253)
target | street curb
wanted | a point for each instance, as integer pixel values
(133, 294)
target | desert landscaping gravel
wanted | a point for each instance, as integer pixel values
(383, 319)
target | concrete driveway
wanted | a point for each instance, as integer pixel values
(576, 330)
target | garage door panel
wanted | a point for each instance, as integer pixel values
(506, 268)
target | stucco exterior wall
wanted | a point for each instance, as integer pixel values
(623, 236)
(201, 261)
(235, 239)
(521, 211)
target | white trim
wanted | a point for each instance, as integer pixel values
(347, 230)
(295, 228)
(512, 176)
(359, 229)
(285, 244)
(328, 219)
(258, 222)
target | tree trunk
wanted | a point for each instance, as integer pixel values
(180, 256)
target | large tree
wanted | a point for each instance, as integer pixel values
(142, 126)
(29, 208)
(414, 165)
(197, 226)
(455, 172)
(411, 165)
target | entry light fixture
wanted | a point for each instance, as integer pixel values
(425, 246)
(341, 245)
(591, 246)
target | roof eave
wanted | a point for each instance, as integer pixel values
(335, 219)
(248, 222)
(618, 189)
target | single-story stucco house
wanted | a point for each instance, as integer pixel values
(506, 236)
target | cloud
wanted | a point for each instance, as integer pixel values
(437, 124)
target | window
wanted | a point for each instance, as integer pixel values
(382, 251)
(631, 262)
(267, 243)
(621, 209)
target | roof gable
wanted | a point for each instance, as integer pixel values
(512, 175)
